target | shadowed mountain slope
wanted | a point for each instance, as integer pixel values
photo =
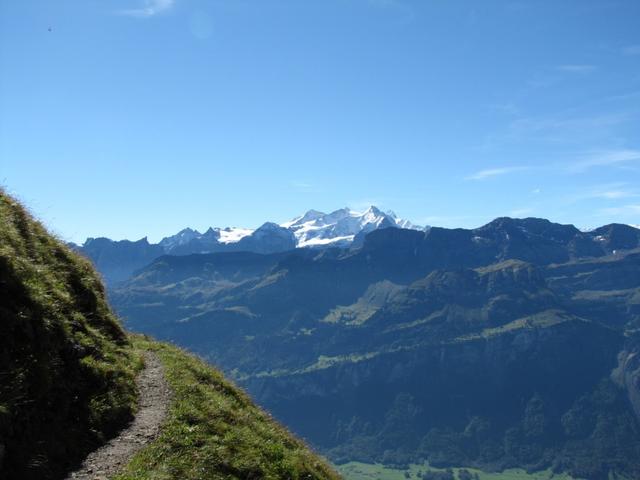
(67, 367)
(513, 344)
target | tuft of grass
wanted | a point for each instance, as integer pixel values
(215, 431)
(66, 366)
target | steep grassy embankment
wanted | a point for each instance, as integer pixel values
(215, 431)
(66, 366)
(67, 374)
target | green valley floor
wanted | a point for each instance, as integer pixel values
(364, 471)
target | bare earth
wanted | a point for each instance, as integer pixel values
(155, 396)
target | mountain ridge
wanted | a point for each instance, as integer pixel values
(117, 260)
(382, 341)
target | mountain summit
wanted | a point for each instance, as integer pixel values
(341, 227)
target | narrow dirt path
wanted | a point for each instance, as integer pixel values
(155, 396)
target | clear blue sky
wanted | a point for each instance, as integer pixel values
(140, 117)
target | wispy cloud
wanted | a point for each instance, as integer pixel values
(576, 68)
(610, 191)
(606, 158)
(494, 172)
(304, 187)
(614, 194)
(557, 129)
(631, 50)
(565, 125)
(149, 8)
(521, 212)
(623, 210)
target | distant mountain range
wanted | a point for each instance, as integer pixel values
(117, 260)
(516, 344)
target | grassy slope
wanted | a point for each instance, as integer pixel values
(67, 380)
(215, 431)
(66, 367)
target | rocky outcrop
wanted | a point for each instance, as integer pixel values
(627, 375)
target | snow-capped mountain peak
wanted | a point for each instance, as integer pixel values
(233, 234)
(373, 215)
(307, 217)
(212, 236)
(183, 237)
(313, 229)
(340, 227)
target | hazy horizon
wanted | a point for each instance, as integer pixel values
(205, 227)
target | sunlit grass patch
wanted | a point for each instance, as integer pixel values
(214, 430)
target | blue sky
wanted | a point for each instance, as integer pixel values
(127, 118)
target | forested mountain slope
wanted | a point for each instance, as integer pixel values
(514, 344)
